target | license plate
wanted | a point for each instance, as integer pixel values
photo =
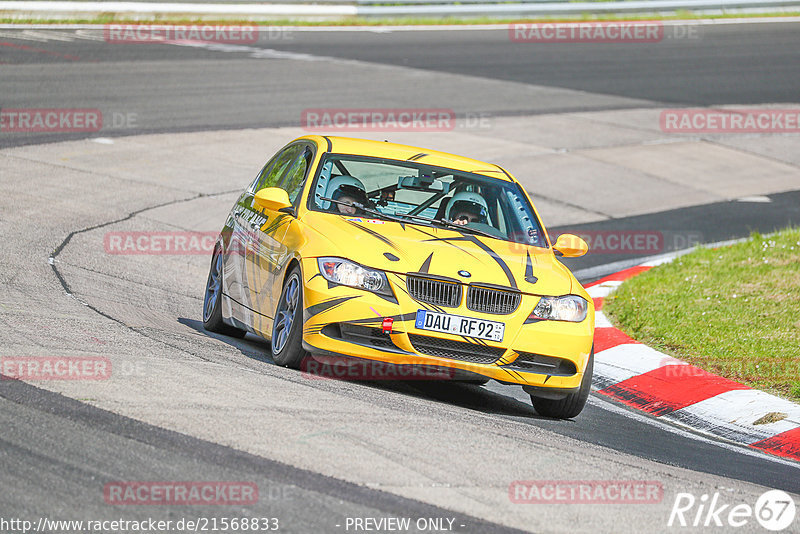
(461, 326)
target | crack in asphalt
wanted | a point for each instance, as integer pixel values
(62, 280)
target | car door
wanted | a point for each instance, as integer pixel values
(267, 252)
(234, 275)
(238, 278)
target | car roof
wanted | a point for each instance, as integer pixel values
(384, 149)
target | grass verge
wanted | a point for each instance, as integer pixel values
(733, 311)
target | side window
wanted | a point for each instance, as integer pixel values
(292, 181)
(272, 173)
(260, 175)
(501, 217)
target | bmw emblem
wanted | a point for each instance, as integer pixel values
(465, 274)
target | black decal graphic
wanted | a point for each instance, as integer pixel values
(483, 246)
(426, 265)
(529, 270)
(316, 309)
(374, 234)
(445, 240)
(378, 320)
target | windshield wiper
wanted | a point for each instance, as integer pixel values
(360, 206)
(405, 217)
(451, 224)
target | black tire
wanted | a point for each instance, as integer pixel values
(571, 405)
(212, 302)
(287, 343)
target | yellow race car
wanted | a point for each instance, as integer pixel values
(351, 251)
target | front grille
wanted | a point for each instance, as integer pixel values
(545, 365)
(455, 350)
(489, 300)
(436, 292)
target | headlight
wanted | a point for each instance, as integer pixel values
(348, 273)
(568, 308)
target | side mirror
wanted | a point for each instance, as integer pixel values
(571, 246)
(272, 198)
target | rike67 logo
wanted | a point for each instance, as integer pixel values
(774, 510)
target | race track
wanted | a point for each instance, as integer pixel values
(185, 405)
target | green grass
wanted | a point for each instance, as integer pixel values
(733, 311)
(412, 21)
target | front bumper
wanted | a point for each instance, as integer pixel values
(544, 355)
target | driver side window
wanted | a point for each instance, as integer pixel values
(271, 174)
(292, 181)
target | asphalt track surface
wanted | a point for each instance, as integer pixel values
(55, 450)
(173, 88)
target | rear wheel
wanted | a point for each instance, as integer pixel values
(571, 405)
(287, 344)
(212, 302)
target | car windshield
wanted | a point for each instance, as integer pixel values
(422, 194)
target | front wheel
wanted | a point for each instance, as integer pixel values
(571, 405)
(287, 345)
(212, 303)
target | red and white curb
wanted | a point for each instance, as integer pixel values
(673, 390)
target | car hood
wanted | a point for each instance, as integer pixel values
(404, 248)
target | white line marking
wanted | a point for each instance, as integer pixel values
(22, 37)
(254, 51)
(754, 198)
(50, 35)
(603, 290)
(601, 321)
(631, 359)
(659, 261)
(733, 413)
(91, 35)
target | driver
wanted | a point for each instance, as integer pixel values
(349, 193)
(467, 207)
